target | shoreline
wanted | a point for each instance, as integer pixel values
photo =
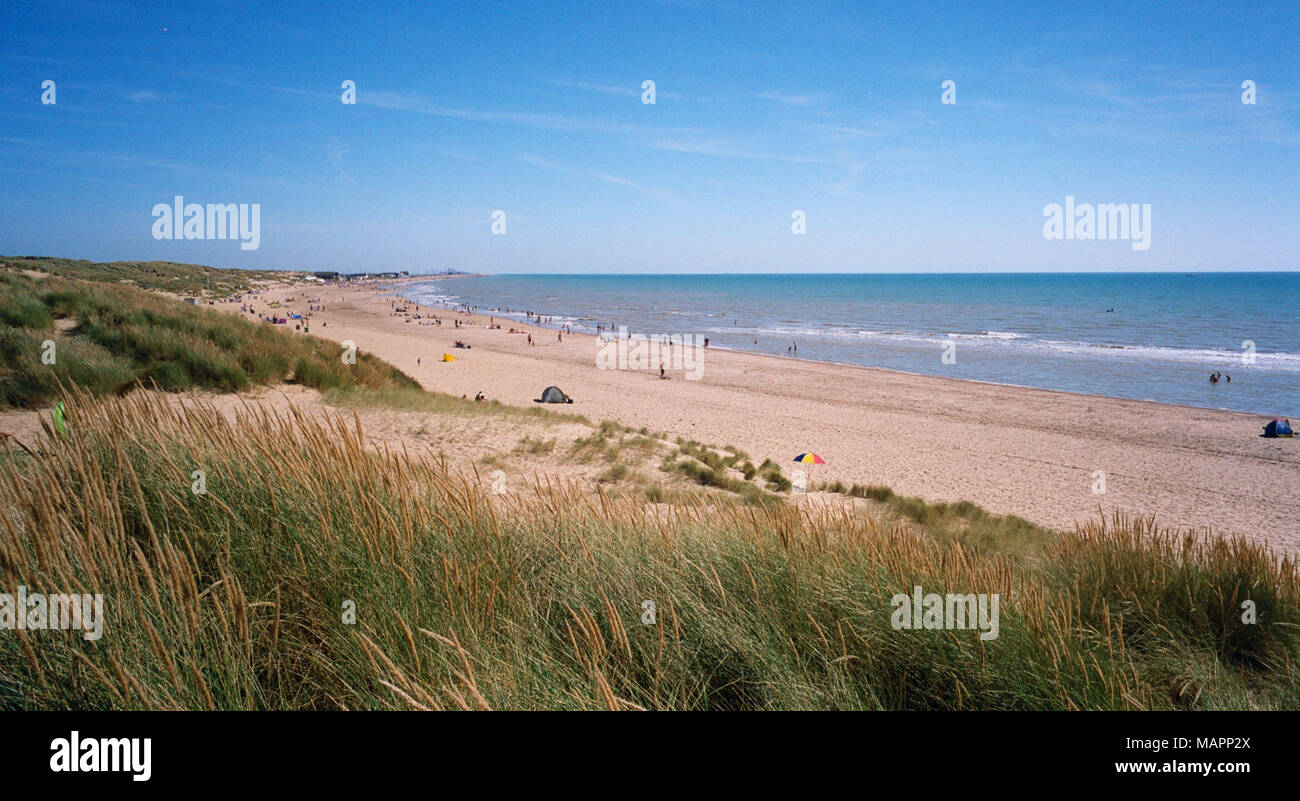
(1013, 450)
(1293, 412)
(891, 370)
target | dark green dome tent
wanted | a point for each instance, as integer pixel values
(1280, 427)
(554, 395)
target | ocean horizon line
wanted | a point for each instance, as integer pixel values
(1263, 271)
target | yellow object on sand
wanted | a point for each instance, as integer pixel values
(447, 357)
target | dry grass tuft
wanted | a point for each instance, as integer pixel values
(237, 598)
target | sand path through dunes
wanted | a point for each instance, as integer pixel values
(1028, 452)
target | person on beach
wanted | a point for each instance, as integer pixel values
(559, 336)
(530, 339)
(661, 371)
(706, 342)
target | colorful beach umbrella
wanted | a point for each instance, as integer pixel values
(809, 458)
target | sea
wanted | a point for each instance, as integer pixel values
(1144, 336)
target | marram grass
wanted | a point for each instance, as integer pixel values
(167, 276)
(533, 599)
(109, 339)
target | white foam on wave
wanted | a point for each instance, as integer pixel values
(1013, 341)
(1002, 335)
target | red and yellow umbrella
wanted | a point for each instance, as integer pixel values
(809, 458)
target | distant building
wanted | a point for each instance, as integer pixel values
(357, 276)
(327, 276)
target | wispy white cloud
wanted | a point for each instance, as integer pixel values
(604, 89)
(453, 154)
(55, 62)
(79, 175)
(793, 99)
(733, 149)
(873, 132)
(621, 90)
(335, 150)
(595, 175)
(406, 101)
(163, 170)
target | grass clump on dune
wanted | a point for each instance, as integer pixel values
(163, 276)
(963, 521)
(414, 399)
(534, 598)
(711, 467)
(612, 442)
(109, 338)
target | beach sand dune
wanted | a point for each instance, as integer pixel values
(1034, 453)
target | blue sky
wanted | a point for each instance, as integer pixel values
(761, 109)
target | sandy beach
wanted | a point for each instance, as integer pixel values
(1013, 450)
